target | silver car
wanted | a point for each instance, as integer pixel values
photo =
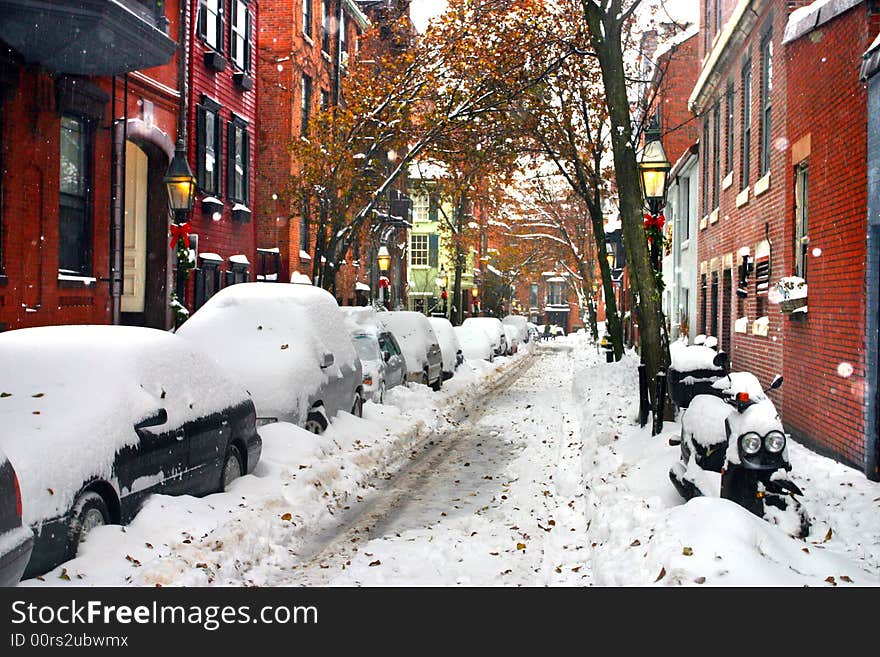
(288, 344)
(419, 343)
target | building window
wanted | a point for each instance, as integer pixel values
(304, 228)
(728, 132)
(418, 251)
(325, 25)
(325, 99)
(307, 17)
(75, 186)
(555, 296)
(716, 155)
(745, 143)
(306, 100)
(238, 154)
(211, 23)
(766, 91)
(207, 282)
(533, 295)
(714, 327)
(240, 36)
(801, 224)
(684, 209)
(421, 207)
(705, 161)
(343, 40)
(704, 292)
(209, 129)
(706, 32)
(716, 16)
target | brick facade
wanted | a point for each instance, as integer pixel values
(139, 105)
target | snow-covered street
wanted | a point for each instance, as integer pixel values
(527, 472)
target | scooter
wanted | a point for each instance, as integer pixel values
(734, 431)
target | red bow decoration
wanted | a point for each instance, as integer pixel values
(384, 282)
(443, 295)
(180, 231)
(652, 221)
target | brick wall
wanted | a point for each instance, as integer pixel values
(827, 124)
(680, 68)
(219, 233)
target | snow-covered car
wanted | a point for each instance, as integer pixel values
(97, 418)
(449, 347)
(475, 344)
(534, 335)
(511, 333)
(521, 323)
(16, 540)
(381, 356)
(494, 329)
(288, 344)
(419, 343)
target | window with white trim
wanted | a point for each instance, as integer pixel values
(210, 25)
(801, 223)
(421, 207)
(240, 35)
(418, 250)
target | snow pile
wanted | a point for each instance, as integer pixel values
(75, 393)
(475, 344)
(694, 357)
(272, 338)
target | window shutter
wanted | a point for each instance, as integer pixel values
(433, 248)
(218, 155)
(246, 159)
(432, 207)
(221, 24)
(230, 160)
(247, 41)
(203, 20)
(200, 147)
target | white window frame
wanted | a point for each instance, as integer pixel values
(418, 250)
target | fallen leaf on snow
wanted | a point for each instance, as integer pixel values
(661, 575)
(376, 563)
(686, 551)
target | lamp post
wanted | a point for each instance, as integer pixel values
(384, 259)
(654, 169)
(475, 299)
(181, 187)
(442, 280)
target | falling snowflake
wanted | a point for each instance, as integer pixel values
(845, 370)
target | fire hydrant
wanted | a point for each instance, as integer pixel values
(608, 347)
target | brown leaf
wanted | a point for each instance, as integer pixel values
(286, 516)
(149, 545)
(700, 580)
(846, 578)
(520, 546)
(828, 535)
(285, 346)
(805, 550)
(51, 492)
(831, 581)
(376, 563)
(575, 569)
(552, 523)
(661, 575)
(686, 551)
(635, 543)
(4, 395)
(38, 395)
(64, 574)
(558, 569)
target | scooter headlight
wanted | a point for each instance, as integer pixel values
(774, 442)
(750, 443)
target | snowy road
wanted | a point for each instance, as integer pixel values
(489, 501)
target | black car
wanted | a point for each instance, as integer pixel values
(16, 541)
(97, 418)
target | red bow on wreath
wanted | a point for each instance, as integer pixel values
(652, 221)
(443, 295)
(180, 231)
(384, 282)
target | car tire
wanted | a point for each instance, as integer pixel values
(233, 467)
(357, 408)
(316, 422)
(89, 511)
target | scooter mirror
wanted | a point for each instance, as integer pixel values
(777, 382)
(720, 359)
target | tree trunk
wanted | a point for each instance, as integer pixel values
(605, 36)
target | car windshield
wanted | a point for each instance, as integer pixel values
(366, 347)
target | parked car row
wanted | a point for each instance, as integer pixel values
(127, 412)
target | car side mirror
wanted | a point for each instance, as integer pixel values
(777, 382)
(720, 359)
(328, 361)
(674, 442)
(386, 356)
(157, 419)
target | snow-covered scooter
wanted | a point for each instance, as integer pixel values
(734, 431)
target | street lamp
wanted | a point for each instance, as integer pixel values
(181, 187)
(654, 169)
(441, 281)
(383, 257)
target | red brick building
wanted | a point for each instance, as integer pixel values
(299, 66)
(782, 120)
(222, 136)
(88, 129)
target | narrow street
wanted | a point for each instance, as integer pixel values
(491, 501)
